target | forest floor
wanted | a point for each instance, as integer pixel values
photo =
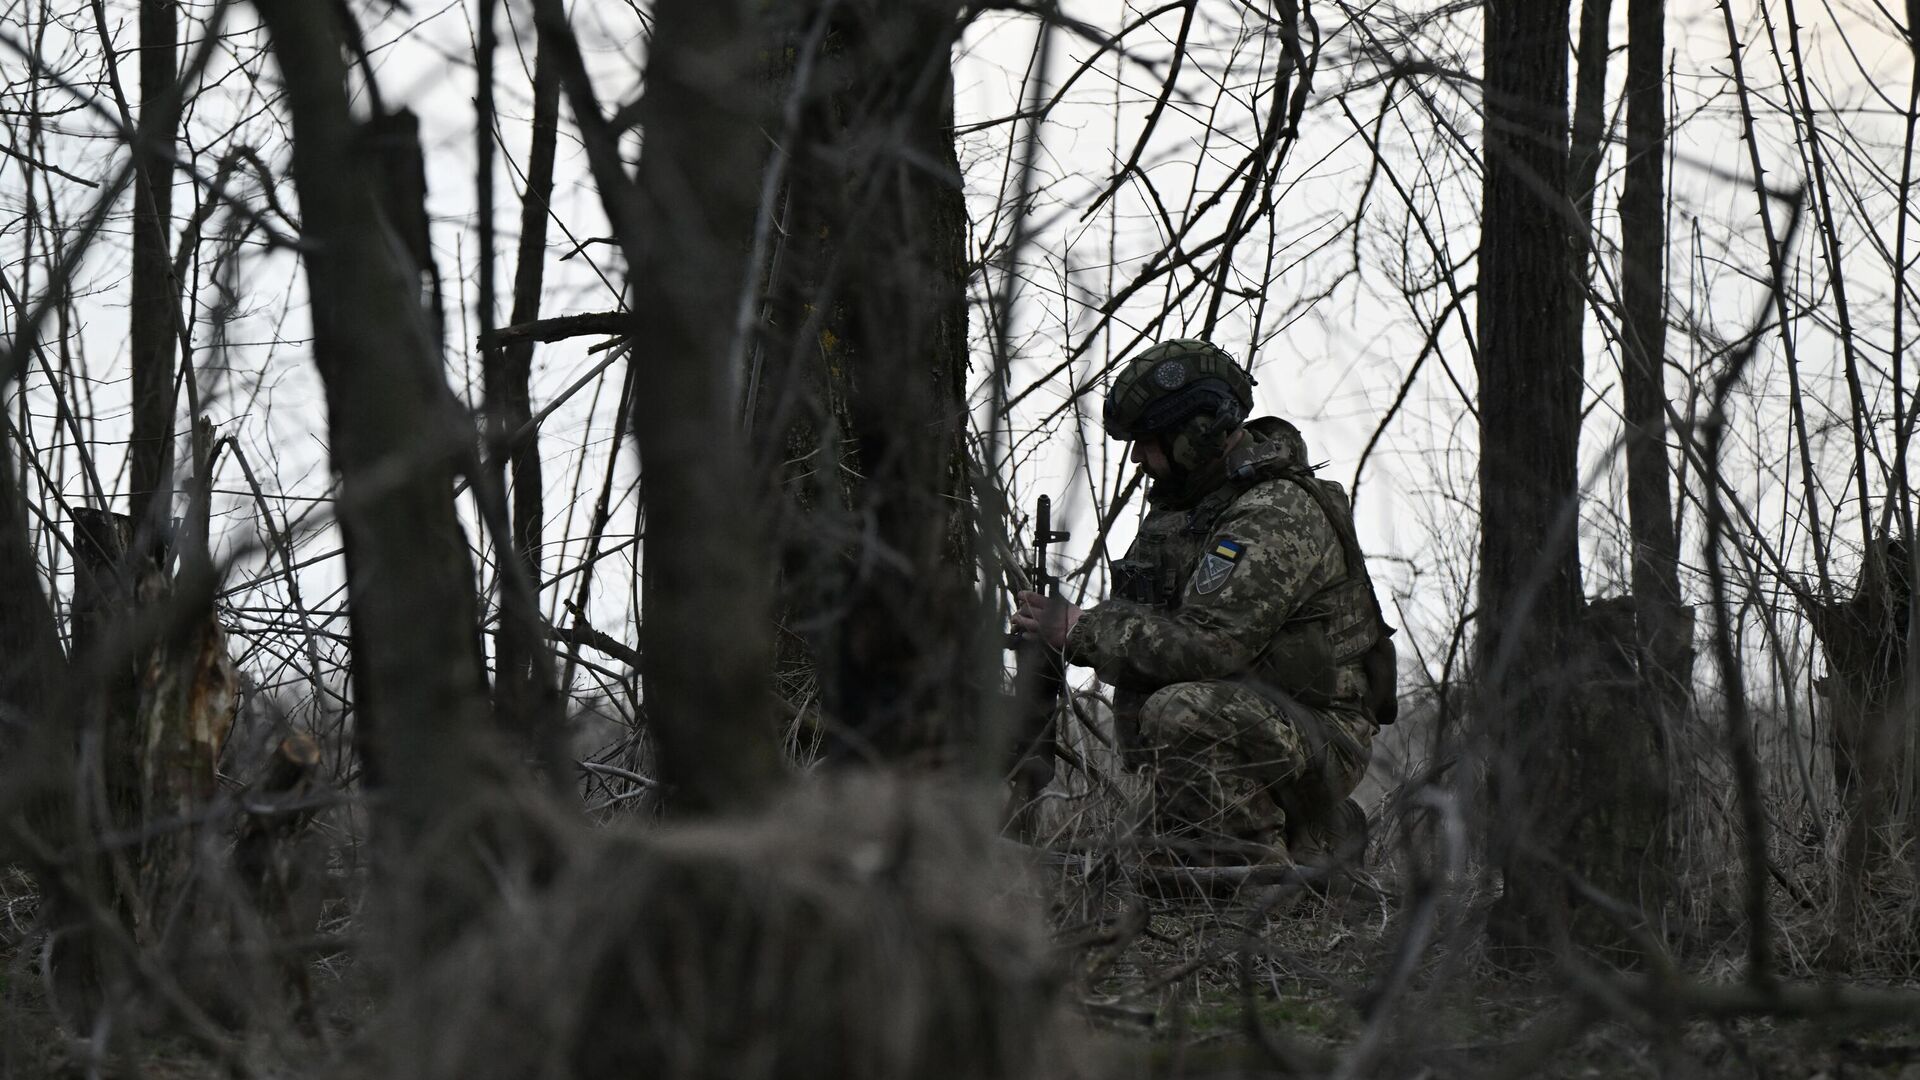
(1185, 987)
(1304, 992)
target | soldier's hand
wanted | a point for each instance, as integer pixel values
(1048, 618)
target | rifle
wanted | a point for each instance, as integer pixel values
(1040, 675)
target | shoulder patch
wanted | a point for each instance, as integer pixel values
(1217, 565)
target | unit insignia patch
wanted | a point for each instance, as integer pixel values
(1217, 565)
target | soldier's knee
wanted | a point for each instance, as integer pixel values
(1174, 710)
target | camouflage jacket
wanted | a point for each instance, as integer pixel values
(1245, 579)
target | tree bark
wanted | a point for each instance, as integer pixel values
(1664, 628)
(1871, 712)
(528, 506)
(37, 761)
(704, 637)
(526, 698)
(863, 394)
(1568, 784)
(396, 435)
(684, 221)
(32, 665)
(1529, 374)
(1589, 145)
(143, 704)
(155, 310)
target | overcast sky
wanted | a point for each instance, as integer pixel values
(1331, 364)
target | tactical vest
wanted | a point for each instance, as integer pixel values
(1340, 624)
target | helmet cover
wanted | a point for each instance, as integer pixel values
(1188, 392)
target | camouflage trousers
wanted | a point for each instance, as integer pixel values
(1230, 764)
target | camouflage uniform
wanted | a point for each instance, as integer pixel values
(1234, 644)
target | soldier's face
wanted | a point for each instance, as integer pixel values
(1151, 454)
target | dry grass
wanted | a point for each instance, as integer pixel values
(866, 926)
(876, 926)
(1393, 977)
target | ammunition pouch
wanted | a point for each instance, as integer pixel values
(1381, 663)
(1300, 663)
(1137, 580)
(1304, 658)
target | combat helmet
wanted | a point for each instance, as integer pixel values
(1189, 392)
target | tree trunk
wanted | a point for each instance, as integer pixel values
(32, 666)
(396, 436)
(528, 702)
(1588, 149)
(863, 393)
(1529, 375)
(155, 310)
(1870, 717)
(37, 767)
(705, 630)
(683, 222)
(529, 510)
(1569, 780)
(1664, 636)
(161, 695)
(146, 701)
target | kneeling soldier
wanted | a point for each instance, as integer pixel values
(1249, 658)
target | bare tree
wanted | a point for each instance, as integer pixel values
(156, 295)
(397, 439)
(32, 666)
(682, 221)
(1664, 638)
(857, 388)
(1570, 776)
(513, 442)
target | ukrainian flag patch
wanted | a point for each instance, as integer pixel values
(1216, 566)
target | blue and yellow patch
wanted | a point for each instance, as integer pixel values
(1217, 565)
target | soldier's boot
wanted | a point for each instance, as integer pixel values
(1220, 825)
(1333, 840)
